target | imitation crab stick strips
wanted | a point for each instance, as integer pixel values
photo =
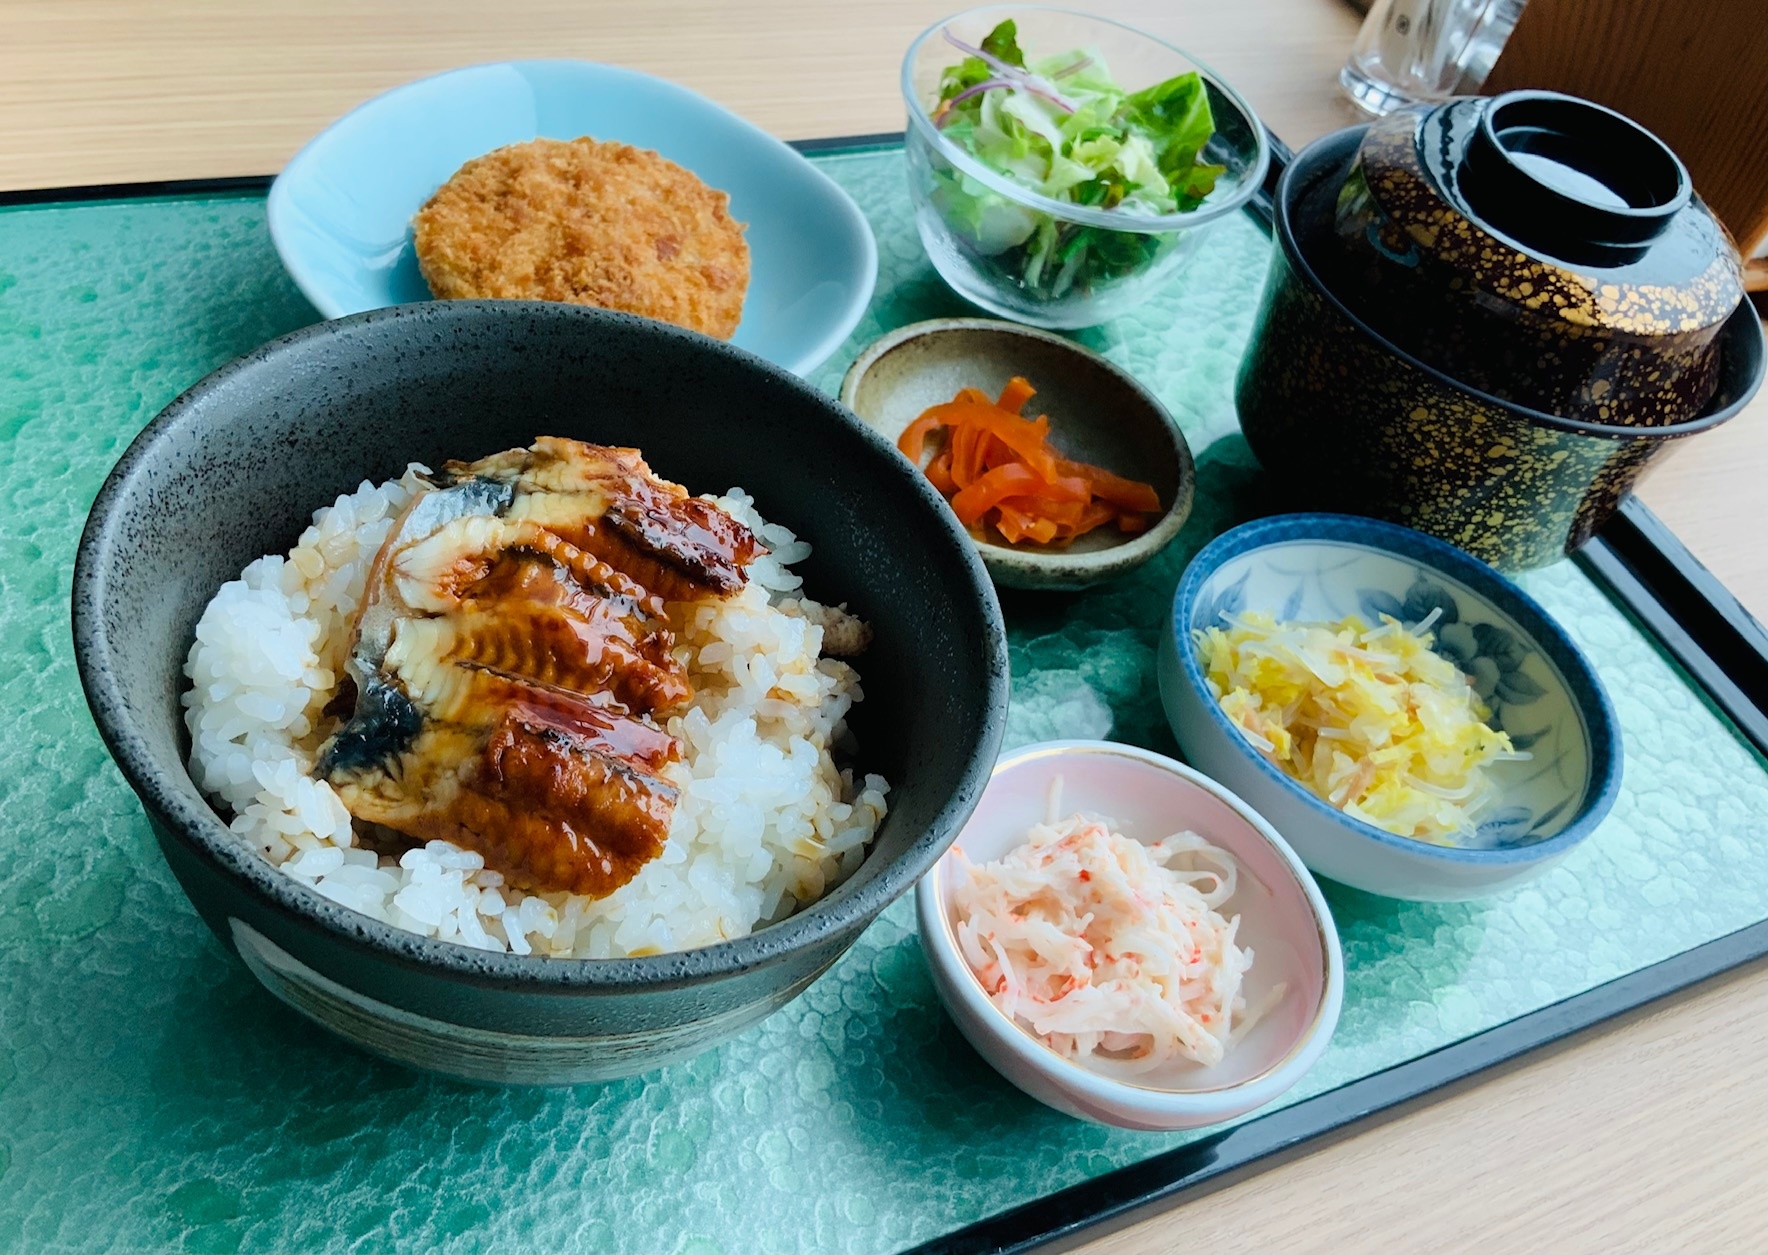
(1109, 951)
(998, 467)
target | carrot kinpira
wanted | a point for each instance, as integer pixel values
(1128, 495)
(1018, 481)
(939, 470)
(914, 436)
(988, 490)
(1017, 392)
(998, 468)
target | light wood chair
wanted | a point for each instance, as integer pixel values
(1694, 72)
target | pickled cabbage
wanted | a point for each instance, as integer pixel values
(1368, 718)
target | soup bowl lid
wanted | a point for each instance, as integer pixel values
(1535, 202)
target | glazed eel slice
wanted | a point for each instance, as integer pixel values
(606, 502)
(508, 678)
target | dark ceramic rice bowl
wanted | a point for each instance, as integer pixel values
(234, 469)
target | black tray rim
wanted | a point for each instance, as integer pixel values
(1654, 578)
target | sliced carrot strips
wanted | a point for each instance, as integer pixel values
(1126, 494)
(1012, 522)
(987, 491)
(1028, 440)
(999, 468)
(1061, 500)
(1017, 524)
(1097, 514)
(963, 449)
(939, 470)
(914, 436)
(1017, 392)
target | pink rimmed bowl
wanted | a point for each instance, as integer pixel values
(1284, 920)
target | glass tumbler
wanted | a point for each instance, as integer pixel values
(1413, 51)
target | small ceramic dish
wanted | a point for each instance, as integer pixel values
(1098, 414)
(1540, 688)
(1283, 918)
(340, 212)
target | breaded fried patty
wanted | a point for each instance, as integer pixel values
(590, 223)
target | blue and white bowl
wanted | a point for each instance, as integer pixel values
(1541, 690)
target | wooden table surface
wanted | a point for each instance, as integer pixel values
(1646, 1136)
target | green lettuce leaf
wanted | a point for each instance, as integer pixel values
(963, 76)
(1002, 43)
(1175, 117)
(1139, 152)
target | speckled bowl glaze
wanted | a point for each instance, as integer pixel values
(1098, 413)
(235, 467)
(1283, 918)
(1543, 249)
(1347, 420)
(1541, 689)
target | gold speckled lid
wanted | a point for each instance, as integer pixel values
(1542, 248)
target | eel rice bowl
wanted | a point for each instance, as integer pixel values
(751, 814)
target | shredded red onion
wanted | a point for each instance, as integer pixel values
(991, 61)
(1033, 86)
(1076, 68)
(945, 110)
(1014, 76)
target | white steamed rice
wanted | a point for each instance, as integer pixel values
(765, 822)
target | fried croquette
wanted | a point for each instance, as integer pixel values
(591, 223)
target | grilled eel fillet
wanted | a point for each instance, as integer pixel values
(513, 653)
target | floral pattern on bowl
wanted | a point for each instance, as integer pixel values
(1493, 657)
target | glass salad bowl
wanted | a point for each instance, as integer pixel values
(1062, 165)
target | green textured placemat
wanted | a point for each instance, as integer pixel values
(153, 1098)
